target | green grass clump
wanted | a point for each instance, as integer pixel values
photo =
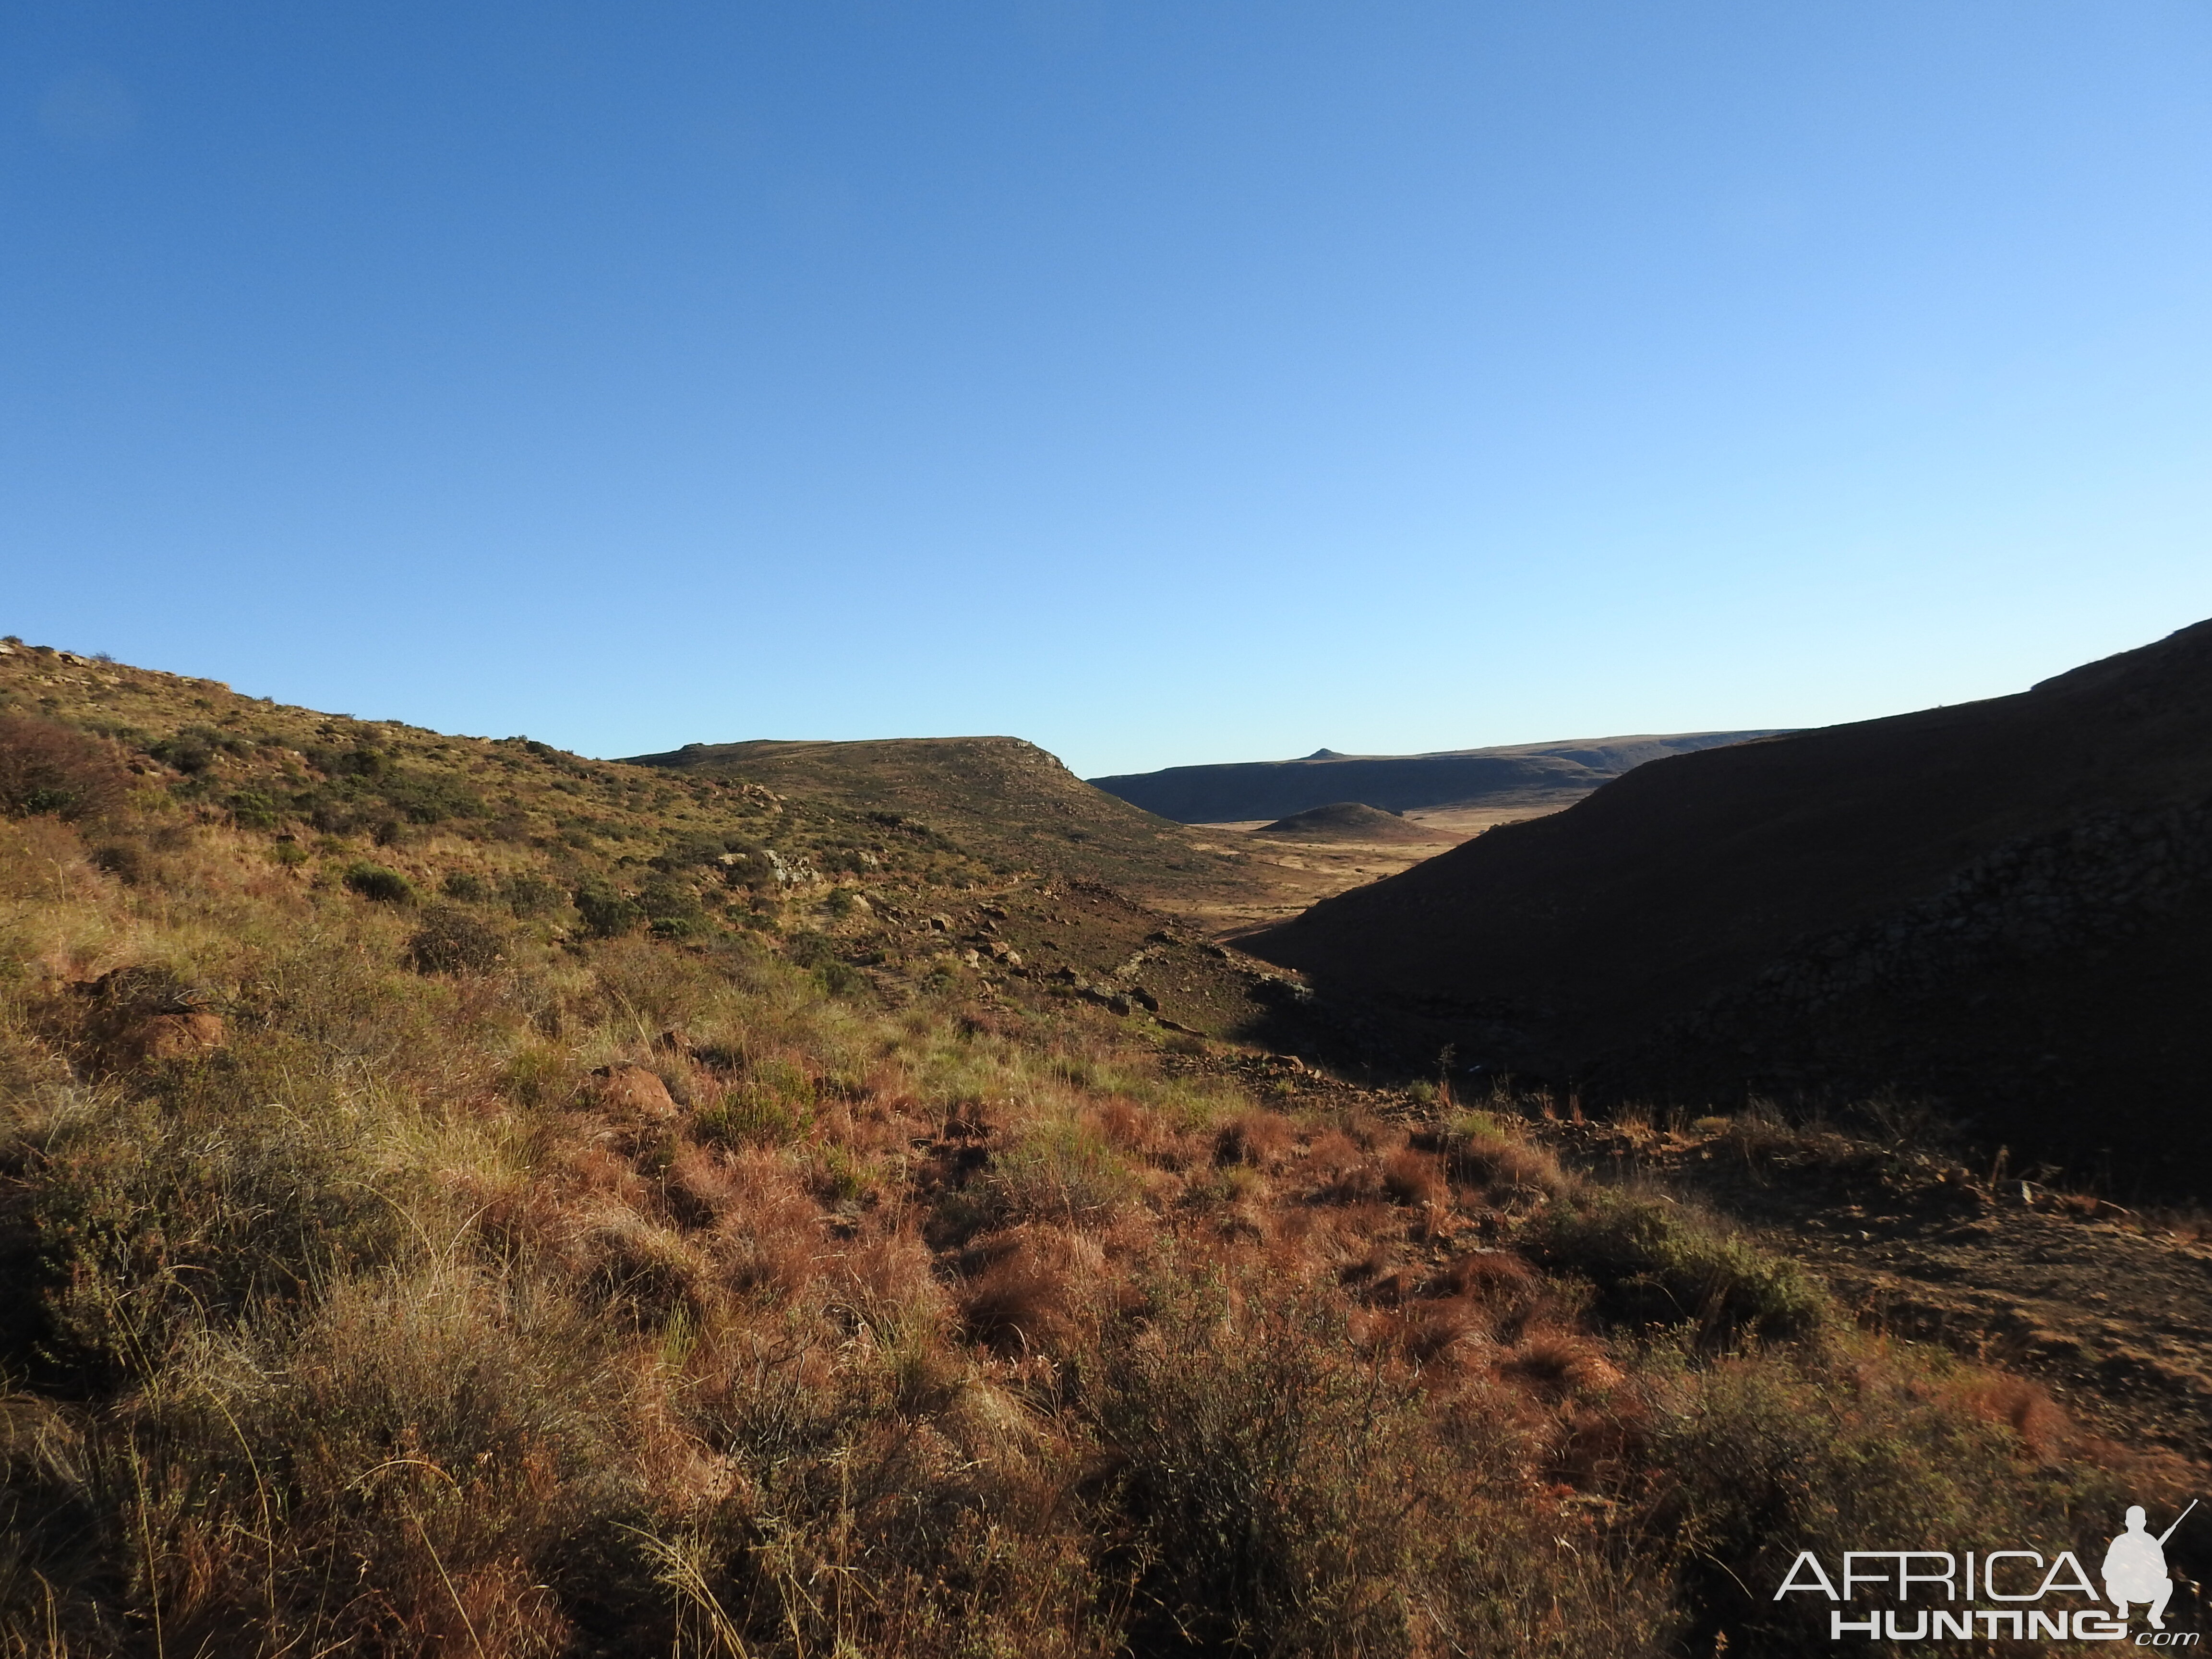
(1655, 1262)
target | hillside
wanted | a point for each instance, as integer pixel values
(2003, 907)
(1007, 799)
(459, 1198)
(1531, 778)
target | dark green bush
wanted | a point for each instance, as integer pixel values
(374, 881)
(671, 907)
(194, 748)
(253, 809)
(430, 798)
(691, 854)
(467, 888)
(530, 895)
(606, 912)
(197, 1210)
(361, 762)
(125, 860)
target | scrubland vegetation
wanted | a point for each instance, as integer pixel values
(406, 1249)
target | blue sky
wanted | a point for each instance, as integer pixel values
(1161, 382)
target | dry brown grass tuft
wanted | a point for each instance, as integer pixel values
(1026, 1294)
(1259, 1138)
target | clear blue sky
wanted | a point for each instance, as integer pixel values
(1163, 382)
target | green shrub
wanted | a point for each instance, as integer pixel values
(153, 1216)
(671, 907)
(1759, 1459)
(253, 809)
(374, 881)
(1655, 1262)
(194, 749)
(125, 860)
(607, 913)
(528, 894)
(430, 798)
(750, 1116)
(817, 953)
(1063, 1168)
(468, 888)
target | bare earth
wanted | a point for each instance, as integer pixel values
(1288, 878)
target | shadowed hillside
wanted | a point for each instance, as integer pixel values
(1538, 777)
(2003, 905)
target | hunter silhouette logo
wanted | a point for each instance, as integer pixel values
(2019, 1583)
(2135, 1566)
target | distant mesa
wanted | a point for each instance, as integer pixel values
(2003, 907)
(1353, 821)
(1536, 777)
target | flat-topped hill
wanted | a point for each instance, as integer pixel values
(2006, 905)
(1536, 776)
(1349, 821)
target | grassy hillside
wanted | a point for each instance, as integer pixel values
(448, 1208)
(1010, 800)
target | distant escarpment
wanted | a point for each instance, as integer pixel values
(1540, 776)
(2004, 908)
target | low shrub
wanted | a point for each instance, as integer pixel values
(125, 860)
(451, 941)
(466, 887)
(376, 883)
(528, 894)
(1263, 1501)
(47, 769)
(1655, 1262)
(1756, 1460)
(606, 913)
(773, 1106)
(171, 1216)
(1061, 1169)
